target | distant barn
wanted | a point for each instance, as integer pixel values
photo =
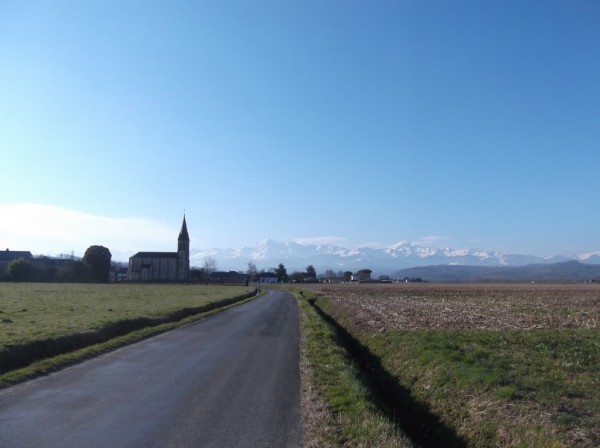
(228, 277)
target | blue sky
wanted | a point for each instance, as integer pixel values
(464, 124)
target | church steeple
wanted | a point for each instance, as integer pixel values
(183, 233)
(183, 252)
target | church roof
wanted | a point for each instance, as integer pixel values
(155, 255)
(183, 234)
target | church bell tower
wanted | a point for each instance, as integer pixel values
(183, 253)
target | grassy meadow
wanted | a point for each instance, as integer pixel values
(40, 320)
(491, 365)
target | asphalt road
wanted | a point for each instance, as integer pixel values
(231, 380)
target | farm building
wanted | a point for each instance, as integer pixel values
(228, 277)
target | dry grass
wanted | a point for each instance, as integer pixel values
(338, 407)
(319, 422)
(318, 418)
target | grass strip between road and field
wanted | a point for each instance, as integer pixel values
(53, 354)
(339, 406)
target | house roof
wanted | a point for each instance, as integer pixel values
(227, 275)
(183, 234)
(155, 255)
(8, 255)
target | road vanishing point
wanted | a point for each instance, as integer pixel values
(230, 380)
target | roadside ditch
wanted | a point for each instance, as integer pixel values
(412, 417)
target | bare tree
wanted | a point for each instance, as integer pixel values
(209, 266)
(251, 271)
(329, 274)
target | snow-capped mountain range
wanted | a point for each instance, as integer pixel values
(295, 256)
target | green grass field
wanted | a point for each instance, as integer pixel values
(37, 319)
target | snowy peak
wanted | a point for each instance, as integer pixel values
(401, 248)
(268, 254)
(590, 257)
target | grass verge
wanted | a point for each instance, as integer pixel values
(339, 407)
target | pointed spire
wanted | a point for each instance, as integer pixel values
(183, 234)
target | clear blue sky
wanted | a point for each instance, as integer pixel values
(464, 124)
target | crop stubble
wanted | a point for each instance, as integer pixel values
(468, 306)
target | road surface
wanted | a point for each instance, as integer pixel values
(230, 380)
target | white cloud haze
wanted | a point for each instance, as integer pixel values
(50, 230)
(432, 240)
(321, 240)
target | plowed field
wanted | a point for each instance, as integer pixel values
(470, 306)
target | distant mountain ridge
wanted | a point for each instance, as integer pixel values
(402, 255)
(566, 271)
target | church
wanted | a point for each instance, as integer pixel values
(162, 266)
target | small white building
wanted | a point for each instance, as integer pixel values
(266, 278)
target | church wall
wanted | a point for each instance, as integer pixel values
(166, 269)
(152, 269)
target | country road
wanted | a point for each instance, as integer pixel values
(230, 380)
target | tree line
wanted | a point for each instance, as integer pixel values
(95, 266)
(252, 274)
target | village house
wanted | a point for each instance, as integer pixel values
(364, 275)
(265, 277)
(9, 255)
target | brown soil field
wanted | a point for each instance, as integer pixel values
(468, 306)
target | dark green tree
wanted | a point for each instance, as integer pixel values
(347, 276)
(20, 270)
(282, 275)
(98, 258)
(196, 274)
(75, 271)
(297, 277)
(311, 272)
